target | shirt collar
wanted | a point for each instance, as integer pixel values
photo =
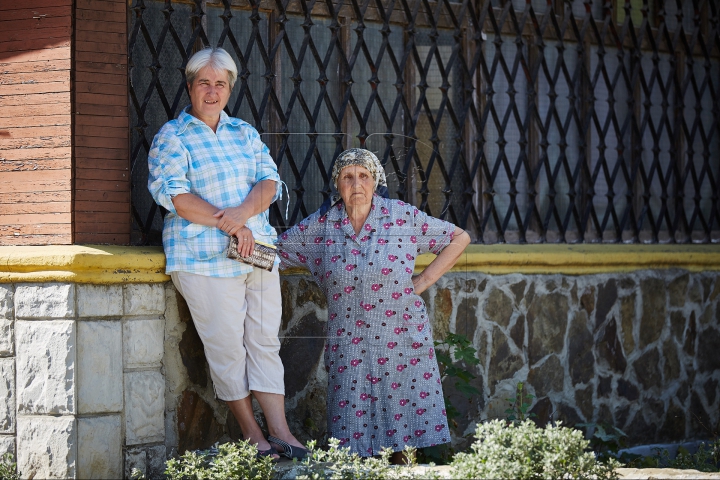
(185, 120)
(337, 211)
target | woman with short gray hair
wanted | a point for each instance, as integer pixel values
(216, 179)
(216, 58)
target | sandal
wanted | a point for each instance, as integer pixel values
(289, 451)
(267, 453)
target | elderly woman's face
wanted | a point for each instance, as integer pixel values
(209, 93)
(356, 185)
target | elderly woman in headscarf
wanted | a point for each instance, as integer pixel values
(384, 385)
(216, 179)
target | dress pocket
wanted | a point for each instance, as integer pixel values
(204, 242)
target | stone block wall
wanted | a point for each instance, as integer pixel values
(635, 350)
(82, 384)
(96, 380)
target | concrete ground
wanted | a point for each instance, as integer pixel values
(669, 473)
(286, 470)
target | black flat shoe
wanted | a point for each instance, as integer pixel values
(288, 450)
(267, 453)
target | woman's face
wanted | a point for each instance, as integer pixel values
(209, 93)
(356, 185)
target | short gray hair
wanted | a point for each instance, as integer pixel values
(217, 58)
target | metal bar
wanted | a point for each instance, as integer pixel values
(557, 161)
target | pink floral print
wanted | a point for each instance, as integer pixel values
(383, 381)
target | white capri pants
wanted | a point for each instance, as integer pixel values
(238, 320)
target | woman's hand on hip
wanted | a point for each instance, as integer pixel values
(443, 262)
(246, 241)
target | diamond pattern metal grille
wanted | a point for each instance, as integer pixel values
(521, 121)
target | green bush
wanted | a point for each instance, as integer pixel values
(525, 451)
(502, 450)
(230, 460)
(337, 463)
(452, 354)
(607, 440)
(8, 468)
(517, 410)
(705, 459)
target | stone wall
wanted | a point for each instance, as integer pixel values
(82, 383)
(635, 350)
(105, 378)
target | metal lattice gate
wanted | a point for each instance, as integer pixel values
(521, 121)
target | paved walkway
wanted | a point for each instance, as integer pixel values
(285, 470)
(669, 473)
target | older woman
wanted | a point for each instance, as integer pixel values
(384, 386)
(216, 178)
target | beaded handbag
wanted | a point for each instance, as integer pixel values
(263, 255)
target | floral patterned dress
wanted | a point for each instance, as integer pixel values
(384, 385)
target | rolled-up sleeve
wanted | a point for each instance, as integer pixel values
(167, 169)
(266, 168)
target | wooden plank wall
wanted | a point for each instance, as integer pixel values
(102, 174)
(35, 122)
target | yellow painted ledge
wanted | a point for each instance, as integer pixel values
(582, 259)
(103, 264)
(96, 264)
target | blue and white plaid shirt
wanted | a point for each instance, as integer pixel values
(221, 168)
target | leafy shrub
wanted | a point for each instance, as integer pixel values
(455, 355)
(502, 450)
(337, 463)
(238, 460)
(8, 468)
(607, 440)
(230, 460)
(518, 410)
(705, 459)
(525, 451)
(137, 474)
(456, 348)
(437, 454)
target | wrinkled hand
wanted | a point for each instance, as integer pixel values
(246, 242)
(231, 220)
